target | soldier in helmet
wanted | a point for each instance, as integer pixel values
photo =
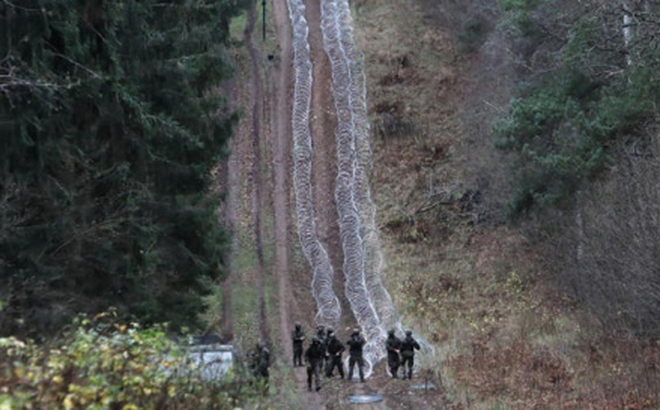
(355, 345)
(298, 340)
(320, 334)
(314, 357)
(262, 361)
(334, 349)
(258, 364)
(408, 347)
(393, 346)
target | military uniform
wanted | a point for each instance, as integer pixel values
(334, 350)
(408, 347)
(320, 334)
(314, 357)
(262, 358)
(393, 346)
(355, 345)
(298, 338)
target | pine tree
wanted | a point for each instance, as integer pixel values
(110, 126)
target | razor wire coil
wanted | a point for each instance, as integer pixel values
(339, 51)
(369, 300)
(355, 160)
(329, 310)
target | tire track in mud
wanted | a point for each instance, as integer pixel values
(280, 126)
(257, 200)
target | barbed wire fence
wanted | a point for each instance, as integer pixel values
(329, 310)
(370, 301)
(350, 221)
(373, 258)
(349, 79)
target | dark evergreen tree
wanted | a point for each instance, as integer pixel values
(109, 127)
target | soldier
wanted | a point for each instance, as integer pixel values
(320, 334)
(298, 339)
(393, 346)
(334, 349)
(314, 358)
(408, 347)
(355, 345)
(262, 357)
(258, 364)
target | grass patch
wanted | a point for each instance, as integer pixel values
(237, 28)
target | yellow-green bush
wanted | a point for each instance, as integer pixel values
(103, 364)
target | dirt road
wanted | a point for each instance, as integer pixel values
(259, 183)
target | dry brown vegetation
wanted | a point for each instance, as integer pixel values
(480, 290)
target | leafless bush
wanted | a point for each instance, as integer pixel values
(469, 21)
(609, 243)
(490, 79)
(388, 126)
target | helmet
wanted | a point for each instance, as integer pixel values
(355, 331)
(319, 328)
(297, 325)
(391, 332)
(408, 332)
(330, 330)
(316, 340)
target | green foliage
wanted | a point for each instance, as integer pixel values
(110, 127)
(562, 123)
(101, 363)
(519, 13)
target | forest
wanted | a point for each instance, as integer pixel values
(110, 130)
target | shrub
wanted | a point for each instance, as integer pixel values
(104, 364)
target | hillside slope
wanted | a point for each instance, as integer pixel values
(474, 285)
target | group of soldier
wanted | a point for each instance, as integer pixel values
(401, 352)
(324, 354)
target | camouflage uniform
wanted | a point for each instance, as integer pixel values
(258, 364)
(314, 358)
(298, 337)
(393, 346)
(355, 346)
(408, 347)
(262, 362)
(320, 334)
(333, 358)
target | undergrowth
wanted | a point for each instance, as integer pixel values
(102, 363)
(505, 338)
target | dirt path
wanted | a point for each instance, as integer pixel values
(261, 164)
(323, 124)
(258, 205)
(279, 88)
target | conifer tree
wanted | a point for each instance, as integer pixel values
(109, 127)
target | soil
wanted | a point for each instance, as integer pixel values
(258, 177)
